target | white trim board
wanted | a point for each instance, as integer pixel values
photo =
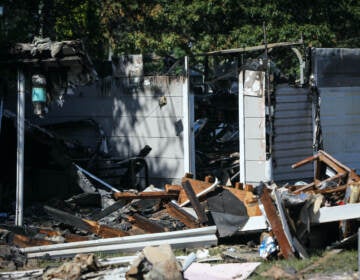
(336, 213)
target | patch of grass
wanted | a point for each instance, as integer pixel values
(345, 261)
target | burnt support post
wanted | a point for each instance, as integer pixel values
(20, 148)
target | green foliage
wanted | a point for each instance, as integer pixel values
(183, 26)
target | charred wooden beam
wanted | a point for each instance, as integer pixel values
(69, 237)
(276, 225)
(146, 224)
(105, 231)
(49, 232)
(173, 188)
(183, 216)
(195, 203)
(88, 225)
(108, 210)
(198, 187)
(67, 218)
(25, 241)
(86, 199)
(27, 235)
(145, 195)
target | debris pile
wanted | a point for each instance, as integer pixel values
(194, 214)
(100, 217)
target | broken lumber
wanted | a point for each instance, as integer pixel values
(108, 210)
(294, 243)
(249, 200)
(146, 224)
(276, 225)
(173, 188)
(195, 203)
(200, 188)
(323, 161)
(88, 225)
(177, 212)
(23, 241)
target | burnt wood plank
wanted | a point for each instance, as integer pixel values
(146, 224)
(195, 203)
(276, 225)
(180, 214)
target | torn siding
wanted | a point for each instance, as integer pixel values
(131, 118)
(337, 78)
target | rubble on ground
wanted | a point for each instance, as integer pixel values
(102, 218)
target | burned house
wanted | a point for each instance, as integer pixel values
(108, 156)
(241, 122)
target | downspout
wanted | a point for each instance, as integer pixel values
(241, 127)
(268, 163)
(20, 148)
(188, 120)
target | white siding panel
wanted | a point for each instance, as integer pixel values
(255, 171)
(255, 128)
(131, 118)
(167, 147)
(255, 149)
(253, 107)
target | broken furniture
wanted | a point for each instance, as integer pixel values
(330, 174)
(129, 173)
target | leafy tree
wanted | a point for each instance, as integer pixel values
(183, 26)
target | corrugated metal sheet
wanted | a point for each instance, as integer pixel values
(340, 123)
(292, 133)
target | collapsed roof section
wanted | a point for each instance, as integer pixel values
(65, 64)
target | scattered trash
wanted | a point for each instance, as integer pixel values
(268, 247)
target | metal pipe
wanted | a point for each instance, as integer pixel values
(188, 121)
(20, 149)
(301, 63)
